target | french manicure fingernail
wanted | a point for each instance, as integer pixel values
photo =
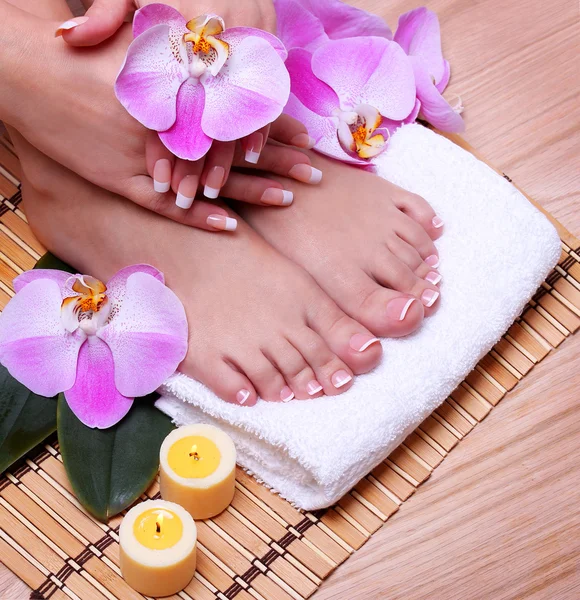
(286, 394)
(70, 24)
(437, 222)
(214, 182)
(242, 396)
(222, 222)
(432, 261)
(254, 147)
(433, 277)
(277, 196)
(186, 191)
(399, 307)
(313, 387)
(303, 140)
(305, 173)
(341, 378)
(429, 297)
(361, 341)
(162, 176)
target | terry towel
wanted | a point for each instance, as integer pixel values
(495, 251)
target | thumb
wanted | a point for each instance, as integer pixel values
(100, 22)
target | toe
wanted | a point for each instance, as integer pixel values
(406, 253)
(414, 234)
(266, 378)
(418, 209)
(295, 369)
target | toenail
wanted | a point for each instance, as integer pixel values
(340, 378)
(432, 261)
(437, 222)
(361, 341)
(399, 307)
(313, 387)
(305, 173)
(286, 394)
(242, 396)
(429, 297)
(433, 277)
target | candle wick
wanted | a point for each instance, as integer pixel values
(157, 527)
(195, 455)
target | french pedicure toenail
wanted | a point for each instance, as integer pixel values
(303, 140)
(429, 297)
(433, 277)
(286, 394)
(305, 173)
(277, 196)
(222, 222)
(242, 396)
(437, 222)
(399, 307)
(313, 387)
(341, 378)
(186, 192)
(162, 176)
(254, 148)
(214, 182)
(70, 24)
(361, 341)
(432, 261)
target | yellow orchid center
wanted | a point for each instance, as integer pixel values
(356, 128)
(89, 309)
(209, 50)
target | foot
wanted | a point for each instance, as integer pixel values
(259, 325)
(367, 243)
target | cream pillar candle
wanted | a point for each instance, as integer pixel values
(198, 469)
(157, 542)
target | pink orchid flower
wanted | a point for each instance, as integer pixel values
(419, 35)
(195, 82)
(102, 345)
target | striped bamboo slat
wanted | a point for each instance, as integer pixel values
(260, 548)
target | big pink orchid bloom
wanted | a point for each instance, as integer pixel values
(195, 81)
(102, 345)
(419, 35)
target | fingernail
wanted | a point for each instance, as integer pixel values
(242, 396)
(361, 341)
(214, 182)
(222, 222)
(286, 394)
(437, 222)
(162, 176)
(432, 261)
(313, 387)
(305, 173)
(429, 297)
(277, 196)
(186, 191)
(340, 378)
(254, 147)
(399, 307)
(70, 24)
(303, 140)
(433, 277)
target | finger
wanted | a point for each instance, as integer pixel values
(185, 181)
(256, 190)
(288, 130)
(154, 151)
(218, 162)
(100, 22)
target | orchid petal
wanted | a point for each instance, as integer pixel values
(157, 14)
(93, 398)
(205, 25)
(150, 78)
(34, 345)
(253, 85)
(419, 35)
(345, 137)
(186, 138)
(373, 146)
(235, 35)
(59, 277)
(222, 50)
(311, 91)
(434, 108)
(147, 335)
(117, 284)
(297, 27)
(87, 284)
(388, 127)
(368, 70)
(442, 84)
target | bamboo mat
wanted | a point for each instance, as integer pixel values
(260, 547)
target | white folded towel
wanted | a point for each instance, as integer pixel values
(495, 252)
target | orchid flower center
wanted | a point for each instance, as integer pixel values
(208, 52)
(356, 128)
(89, 309)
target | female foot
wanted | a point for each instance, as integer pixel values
(367, 243)
(259, 325)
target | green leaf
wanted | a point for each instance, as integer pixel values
(110, 468)
(26, 419)
(49, 261)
